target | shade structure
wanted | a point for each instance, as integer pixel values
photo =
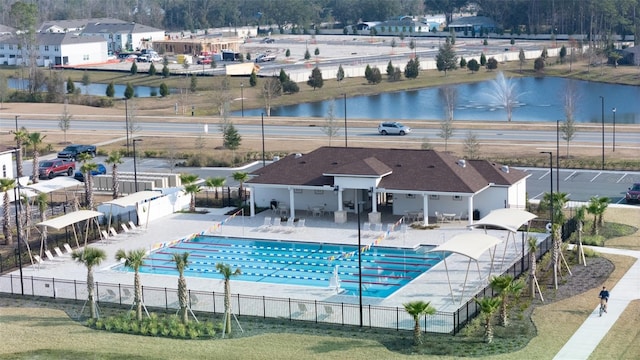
(70, 219)
(471, 245)
(57, 183)
(135, 198)
(507, 219)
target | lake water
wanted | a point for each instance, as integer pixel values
(94, 89)
(540, 99)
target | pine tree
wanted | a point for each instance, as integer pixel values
(446, 58)
(253, 78)
(340, 74)
(110, 92)
(315, 80)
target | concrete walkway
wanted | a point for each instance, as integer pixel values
(585, 340)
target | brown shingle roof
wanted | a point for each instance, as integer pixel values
(413, 170)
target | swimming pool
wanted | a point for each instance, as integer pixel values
(384, 270)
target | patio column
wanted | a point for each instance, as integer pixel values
(252, 204)
(425, 208)
(340, 199)
(470, 209)
(292, 205)
(374, 200)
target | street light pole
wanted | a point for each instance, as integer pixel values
(558, 155)
(614, 129)
(345, 120)
(242, 98)
(551, 185)
(135, 169)
(126, 121)
(602, 99)
(17, 116)
(262, 126)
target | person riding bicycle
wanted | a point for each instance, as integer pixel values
(604, 297)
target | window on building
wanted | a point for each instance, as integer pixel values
(4, 171)
(46, 48)
(56, 49)
(85, 57)
(10, 47)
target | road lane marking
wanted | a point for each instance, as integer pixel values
(596, 176)
(570, 176)
(623, 176)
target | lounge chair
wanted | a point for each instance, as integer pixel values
(113, 232)
(266, 225)
(39, 261)
(276, 224)
(50, 257)
(126, 294)
(300, 225)
(111, 296)
(328, 312)
(365, 229)
(135, 228)
(290, 226)
(67, 248)
(302, 310)
(378, 228)
(125, 228)
(59, 252)
(193, 300)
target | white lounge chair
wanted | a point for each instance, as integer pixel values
(290, 226)
(365, 229)
(50, 257)
(125, 228)
(135, 228)
(113, 232)
(276, 224)
(67, 248)
(39, 261)
(266, 225)
(378, 228)
(300, 225)
(59, 252)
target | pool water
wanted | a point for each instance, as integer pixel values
(384, 270)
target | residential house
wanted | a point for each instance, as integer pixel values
(59, 49)
(398, 181)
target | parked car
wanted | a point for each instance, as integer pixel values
(267, 41)
(72, 151)
(50, 168)
(79, 175)
(633, 194)
(393, 128)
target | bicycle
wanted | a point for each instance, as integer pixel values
(603, 305)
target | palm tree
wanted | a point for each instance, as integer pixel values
(20, 136)
(35, 139)
(5, 186)
(226, 272)
(488, 307)
(215, 183)
(240, 177)
(41, 202)
(187, 179)
(182, 260)
(134, 259)
(579, 217)
(417, 309)
(506, 286)
(559, 201)
(597, 207)
(533, 248)
(555, 255)
(90, 257)
(115, 159)
(87, 168)
(192, 189)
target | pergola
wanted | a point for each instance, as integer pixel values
(71, 219)
(471, 245)
(506, 219)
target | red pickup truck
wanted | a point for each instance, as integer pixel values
(50, 168)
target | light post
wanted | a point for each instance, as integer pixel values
(558, 155)
(551, 173)
(17, 116)
(262, 126)
(614, 129)
(602, 100)
(135, 169)
(126, 121)
(345, 120)
(242, 98)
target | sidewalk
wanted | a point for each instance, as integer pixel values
(585, 340)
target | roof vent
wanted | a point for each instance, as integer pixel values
(505, 168)
(298, 155)
(334, 163)
(462, 162)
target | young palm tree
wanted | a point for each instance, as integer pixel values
(115, 159)
(187, 179)
(215, 183)
(559, 201)
(20, 136)
(555, 255)
(417, 309)
(5, 186)
(597, 207)
(488, 307)
(90, 257)
(533, 248)
(602, 208)
(192, 189)
(240, 177)
(87, 168)
(579, 217)
(41, 203)
(226, 272)
(134, 259)
(182, 260)
(506, 287)
(35, 139)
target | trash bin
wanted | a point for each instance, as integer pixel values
(273, 205)
(476, 214)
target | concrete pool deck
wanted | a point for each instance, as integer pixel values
(431, 286)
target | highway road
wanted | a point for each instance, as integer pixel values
(624, 138)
